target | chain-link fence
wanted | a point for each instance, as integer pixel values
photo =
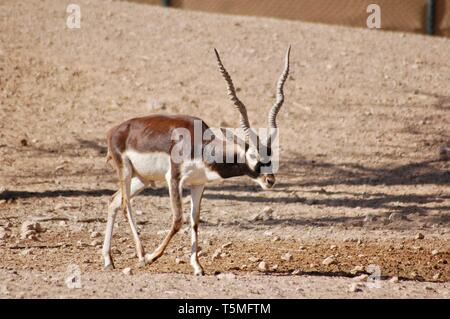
(400, 15)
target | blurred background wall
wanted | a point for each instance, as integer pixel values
(398, 15)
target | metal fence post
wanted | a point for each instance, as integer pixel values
(431, 16)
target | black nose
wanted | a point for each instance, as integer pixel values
(270, 181)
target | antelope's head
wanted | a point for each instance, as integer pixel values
(258, 154)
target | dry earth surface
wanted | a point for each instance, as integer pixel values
(362, 181)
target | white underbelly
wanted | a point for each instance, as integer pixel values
(155, 166)
(151, 166)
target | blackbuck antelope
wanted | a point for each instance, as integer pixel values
(141, 150)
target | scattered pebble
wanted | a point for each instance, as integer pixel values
(216, 254)
(127, 271)
(436, 276)
(116, 251)
(434, 252)
(179, 261)
(264, 215)
(226, 245)
(30, 229)
(95, 234)
(276, 238)
(357, 269)
(226, 276)
(394, 280)
(207, 242)
(355, 287)
(329, 260)
(395, 216)
(95, 243)
(287, 257)
(254, 259)
(295, 272)
(262, 266)
(420, 236)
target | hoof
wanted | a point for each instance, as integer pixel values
(109, 266)
(199, 272)
(141, 263)
(149, 259)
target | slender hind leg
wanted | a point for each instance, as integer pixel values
(196, 198)
(175, 198)
(136, 186)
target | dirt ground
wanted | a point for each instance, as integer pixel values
(361, 177)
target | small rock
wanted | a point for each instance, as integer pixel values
(276, 238)
(274, 267)
(116, 251)
(395, 216)
(154, 105)
(394, 280)
(216, 254)
(254, 259)
(127, 271)
(95, 243)
(357, 269)
(361, 278)
(24, 142)
(355, 287)
(26, 252)
(95, 234)
(207, 242)
(226, 276)
(79, 244)
(333, 247)
(295, 272)
(267, 213)
(369, 218)
(434, 252)
(262, 266)
(436, 276)
(420, 236)
(287, 257)
(329, 260)
(30, 229)
(226, 245)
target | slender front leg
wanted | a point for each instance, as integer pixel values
(136, 187)
(196, 198)
(177, 219)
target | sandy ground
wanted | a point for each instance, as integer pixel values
(365, 116)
